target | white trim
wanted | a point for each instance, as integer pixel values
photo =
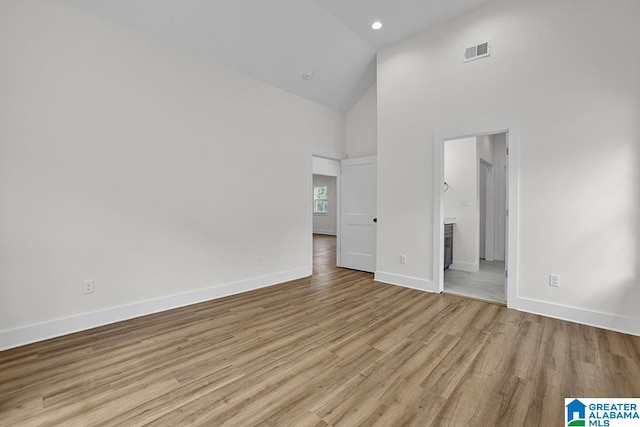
(329, 155)
(405, 281)
(511, 126)
(55, 328)
(487, 163)
(626, 325)
(596, 319)
(325, 232)
(469, 267)
(338, 216)
(308, 200)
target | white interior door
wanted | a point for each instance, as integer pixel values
(358, 214)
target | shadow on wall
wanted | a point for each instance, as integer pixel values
(629, 290)
(620, 221)
(632, 288)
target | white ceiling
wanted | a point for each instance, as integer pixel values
(277, 41)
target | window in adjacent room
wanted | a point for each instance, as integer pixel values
(320, 199)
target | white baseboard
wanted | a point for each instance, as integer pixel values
(469, 267)
(405, 281)
(55, 328)
(611, 322)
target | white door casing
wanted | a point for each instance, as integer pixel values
(358, 213)
(506, 232)
(509, 125)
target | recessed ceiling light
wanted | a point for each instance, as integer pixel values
(376, 25)
(308, 75)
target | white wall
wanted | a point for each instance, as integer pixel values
(361, 126)
(143, 168)
(462, 201)
(325, 223)
(575, 92)
(326, 167)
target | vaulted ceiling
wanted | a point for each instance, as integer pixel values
(278, 41)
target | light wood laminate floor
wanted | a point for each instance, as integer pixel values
(334, 349)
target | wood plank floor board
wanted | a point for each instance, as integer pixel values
(335, 349)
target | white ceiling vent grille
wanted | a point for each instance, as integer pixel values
(478, 51)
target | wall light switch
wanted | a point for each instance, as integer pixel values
(403, 259)
(554, 280)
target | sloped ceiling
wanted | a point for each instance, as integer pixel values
(277, 41)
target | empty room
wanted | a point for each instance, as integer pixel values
(247, 212)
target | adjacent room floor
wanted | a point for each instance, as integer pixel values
(486, 284)
(334, 349)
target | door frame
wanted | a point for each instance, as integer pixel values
(509, 125)
(309, 202)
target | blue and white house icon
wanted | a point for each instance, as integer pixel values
(576, 408)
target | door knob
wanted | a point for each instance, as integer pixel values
(375, 219)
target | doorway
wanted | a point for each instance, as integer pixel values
(325, 213)
(325, 222)
(355, 203)
(509, 127)
(475, 216)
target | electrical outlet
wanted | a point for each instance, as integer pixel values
(403, 259)
(554, 280)
(259, 260)
(87, 287)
